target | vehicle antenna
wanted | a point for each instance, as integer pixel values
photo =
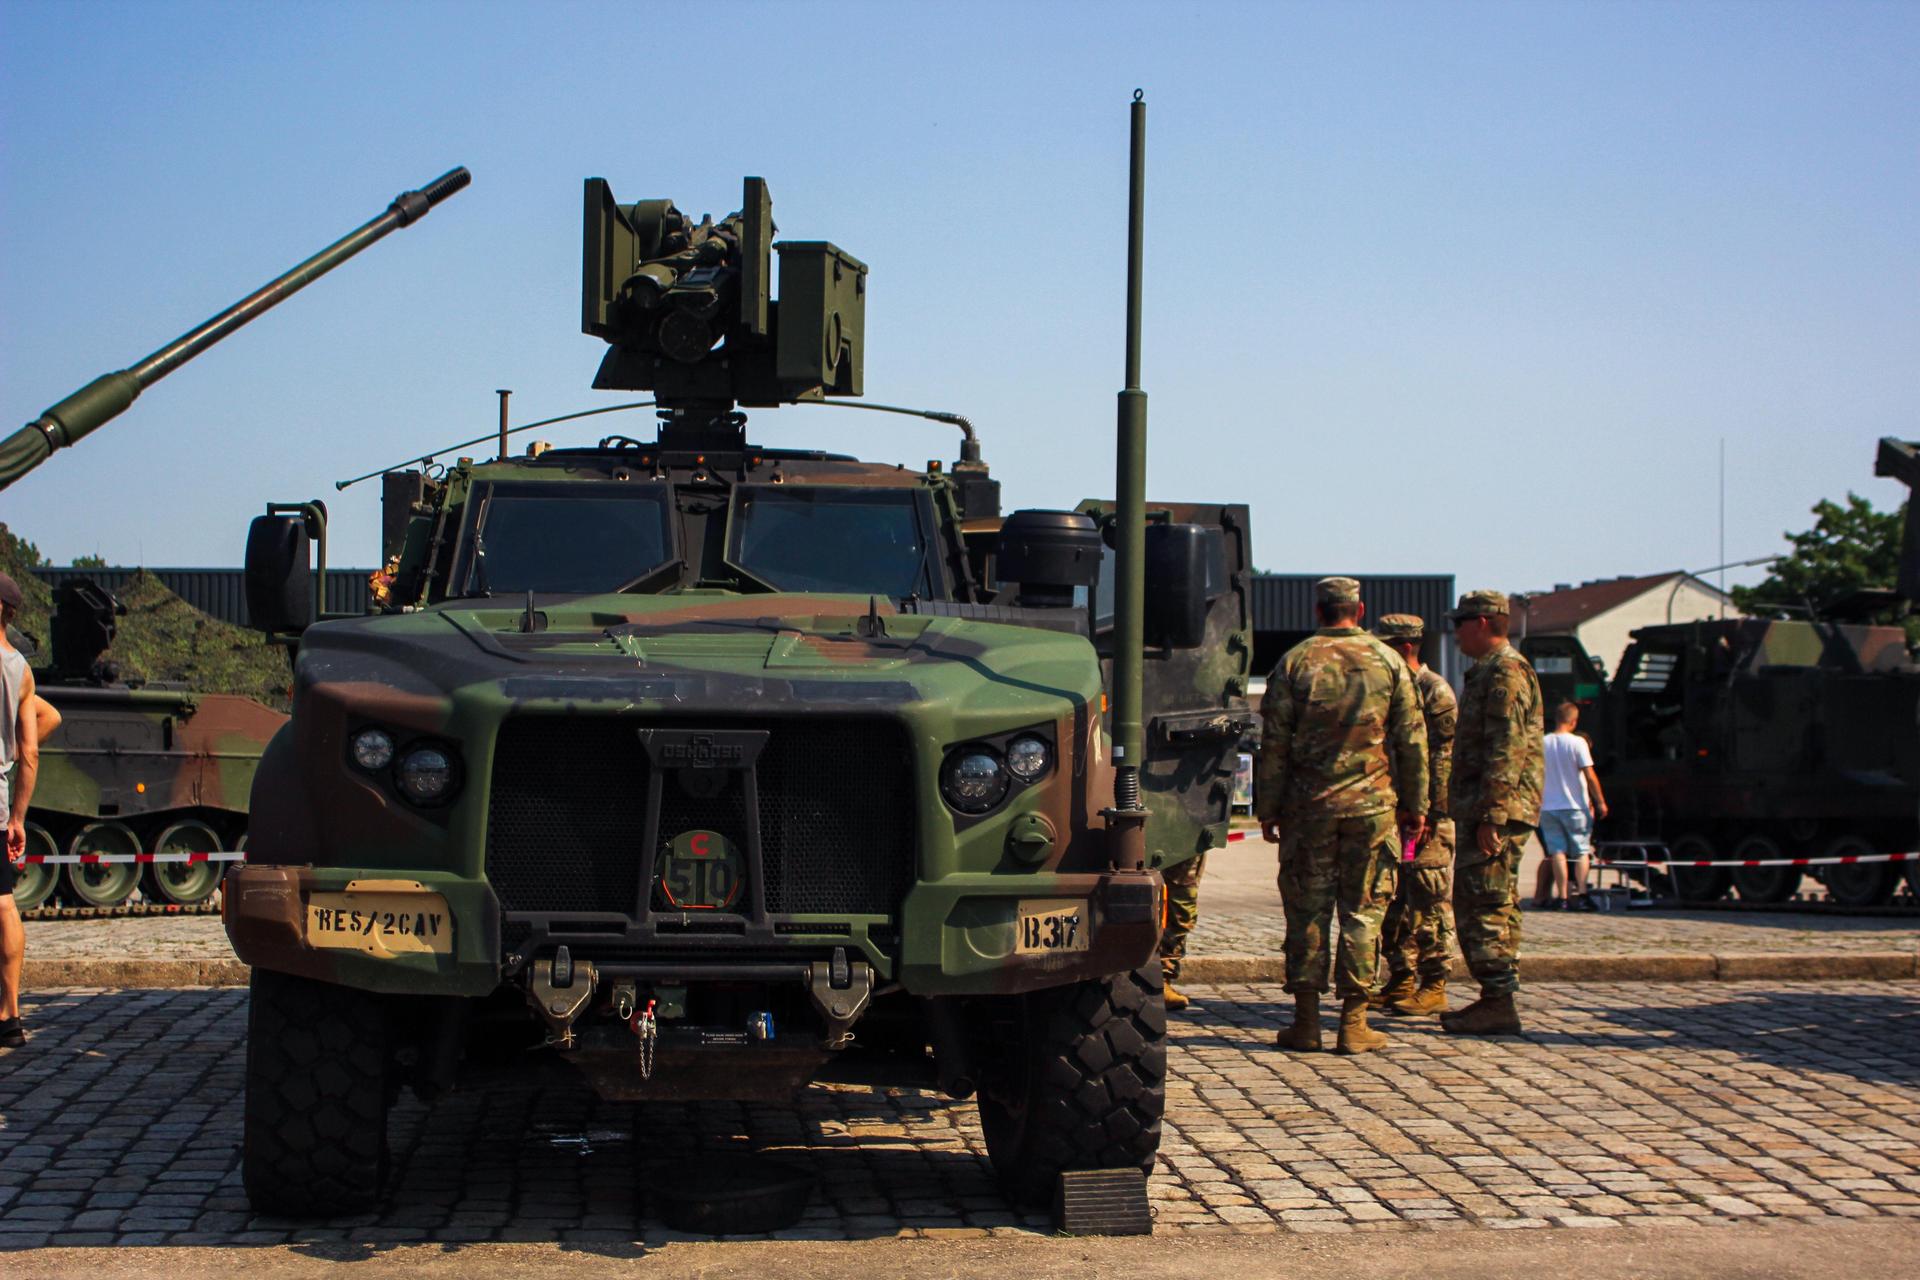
(503, 434)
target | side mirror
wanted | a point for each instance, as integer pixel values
(279, 574)
(1176, 572)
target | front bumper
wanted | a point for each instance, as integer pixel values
(958, 935)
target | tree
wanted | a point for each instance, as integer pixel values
(89, 562)
(1849, 547)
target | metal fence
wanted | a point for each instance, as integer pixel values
(221, 593)
(1283, 612)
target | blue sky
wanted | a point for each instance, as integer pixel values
(1437, 288)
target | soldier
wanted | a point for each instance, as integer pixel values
(1497, 774)
(1183, 911)
(1418, 934)
(1341, 721)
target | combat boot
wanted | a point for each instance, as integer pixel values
(1355, 1035)
(1303, 1035)
(1402, 987)
(1176, 1000)
(1428, 1000)
(1487, 1016)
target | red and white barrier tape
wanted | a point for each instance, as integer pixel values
(98, 859)
(1651, 859)
(1848, 859)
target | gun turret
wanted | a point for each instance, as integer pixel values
(107, 397)
(689, 312)
(1900, 460)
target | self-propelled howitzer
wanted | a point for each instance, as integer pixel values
(110, 395)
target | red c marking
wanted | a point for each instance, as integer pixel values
(698, 844)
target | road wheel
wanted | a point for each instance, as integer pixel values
(34, 881)
(103, 884)
(1858, 884)
(314, 1136)
(1763, 884)
(1086, 1088)
(184, 883)
(1697, 884)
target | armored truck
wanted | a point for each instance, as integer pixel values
(716, 769)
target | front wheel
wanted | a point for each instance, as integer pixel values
(1084, 1085)
(314, 1138)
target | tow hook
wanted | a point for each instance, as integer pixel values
(559, 990)
(840, 990)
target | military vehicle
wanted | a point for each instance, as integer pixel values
(1755, 740)
(716, 769)
(144, 782)
(1761, 740)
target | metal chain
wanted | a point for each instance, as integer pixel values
(648, 1030)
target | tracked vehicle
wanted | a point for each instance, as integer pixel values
(142, 783)
(717, 769)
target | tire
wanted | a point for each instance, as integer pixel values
(103, 884)
(184, 884)
(1087, 1085)
(1764, 884)
(1859, 884)
(1913, 878)
(314, 1136)
(1697, 884)
(35, 882)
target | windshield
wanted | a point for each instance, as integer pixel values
(575, 538)
(861, 541)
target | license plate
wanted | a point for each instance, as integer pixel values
(1053, 925)
(381, 924)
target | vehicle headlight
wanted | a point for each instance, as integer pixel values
(974, 779)
(425, 775)
(372, 749)
(1028, 757)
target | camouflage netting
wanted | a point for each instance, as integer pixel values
(162, 637)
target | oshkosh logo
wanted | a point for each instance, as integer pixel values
(701, 752)
(703, 749)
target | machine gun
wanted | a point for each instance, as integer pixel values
(110, 395)
(689, 312)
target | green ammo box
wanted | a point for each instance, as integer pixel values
(822, 325)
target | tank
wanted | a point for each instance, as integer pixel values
(706, 768)
(143, 791)
(142, 794)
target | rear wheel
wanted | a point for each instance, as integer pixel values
(1697, 884)
(1086, 1085)
(33, 882)
(104, 884)
(1859, 884)
(314, 1136)
(184, 883)
(1763, 884)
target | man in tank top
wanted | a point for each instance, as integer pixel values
(19, 767)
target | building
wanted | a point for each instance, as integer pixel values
(1283, 613)
(1602, 615)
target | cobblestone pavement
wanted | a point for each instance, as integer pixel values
(1239, 916)
(1642, 1105)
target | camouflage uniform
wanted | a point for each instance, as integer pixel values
(1498, 770)
(1418, 934)
(1336, 707)
(1183, 912)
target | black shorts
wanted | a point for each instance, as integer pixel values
(8, 874)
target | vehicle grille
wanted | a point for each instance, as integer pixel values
(568, 814)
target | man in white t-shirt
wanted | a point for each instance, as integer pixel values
(1570, 802)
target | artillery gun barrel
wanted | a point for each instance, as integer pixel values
(106, 397)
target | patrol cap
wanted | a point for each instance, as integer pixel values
(1400, 626)
(1480, 604)
(10, 593)
(1336, 591)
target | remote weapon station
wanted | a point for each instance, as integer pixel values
(718, 768)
